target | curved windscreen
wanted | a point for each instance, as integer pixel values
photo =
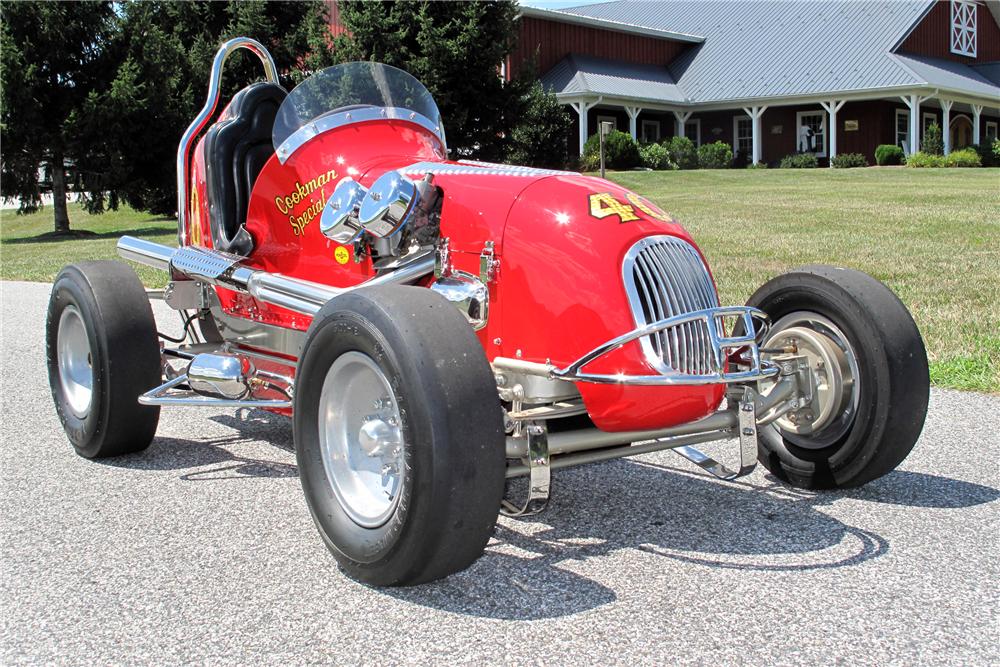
(353, 92)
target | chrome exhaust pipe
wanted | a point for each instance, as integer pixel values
(301, 296)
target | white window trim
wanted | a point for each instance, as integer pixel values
(826, 130)
(963, 27)
(923, 128)
(697, 133)
(905, 113)
(986, 130)
(612, 119)
(650, 123)
(736, 134)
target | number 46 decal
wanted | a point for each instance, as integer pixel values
(603, 204)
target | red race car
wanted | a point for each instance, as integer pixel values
(435, 328)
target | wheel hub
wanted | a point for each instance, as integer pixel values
(831, 396)
(361, 442)
(76, 373)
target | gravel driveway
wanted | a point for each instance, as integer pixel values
(201, 550)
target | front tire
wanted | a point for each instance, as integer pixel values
(102, 352)
(398, 435)
(872, 365)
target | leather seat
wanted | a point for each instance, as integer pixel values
(236, 148)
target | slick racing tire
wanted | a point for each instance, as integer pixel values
(398, 435)
(867, 355)
(103, 353)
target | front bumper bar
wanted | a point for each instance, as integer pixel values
(721, 346)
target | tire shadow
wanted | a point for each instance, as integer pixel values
(215, 458)
(532, 569)
(541, 567)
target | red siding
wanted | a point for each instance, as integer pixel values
(333, 12)
(554, 41)
(932, 36)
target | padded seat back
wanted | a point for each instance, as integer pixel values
(236, 148)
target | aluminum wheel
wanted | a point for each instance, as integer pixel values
(76, 373)
(361, 441)
(829, 413)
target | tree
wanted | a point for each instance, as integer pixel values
(53, 55)
(540, 137)
(453, 48)
(163, 55)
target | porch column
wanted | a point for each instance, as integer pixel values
(581, 108)
(682, 118)
(946, 118)
(832, 107)
(755, 114)
(633, 114)
(977, 110)
(913, 102)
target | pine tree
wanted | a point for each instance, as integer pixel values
(54, 55)
(453, 48)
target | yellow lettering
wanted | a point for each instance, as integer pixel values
(603, 204)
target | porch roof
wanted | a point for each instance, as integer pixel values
(588, 76)
(950, 75)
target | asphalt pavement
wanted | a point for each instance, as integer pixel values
(201, 550)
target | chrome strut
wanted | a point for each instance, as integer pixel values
(539, 474)
(747, 425)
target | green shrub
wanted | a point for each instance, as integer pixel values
(887, 154)
(933, 141)
(848, 161)
(921, 159)
(655, 156)
(963, 158)
(799, 161)
(683, 153)
(996, 151)
(620, 152)
(718, 155)
(985, 154)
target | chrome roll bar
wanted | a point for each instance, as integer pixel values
(196, 126)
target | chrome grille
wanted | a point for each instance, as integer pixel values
(664, 277)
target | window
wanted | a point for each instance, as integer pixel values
(743, 137)
(929, 119)
(963, 27)
(692, 130)
(650, 131)
(811, 127)
(903, 130)
(991, 131)
(610, 119)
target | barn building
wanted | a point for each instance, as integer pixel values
(774, 78)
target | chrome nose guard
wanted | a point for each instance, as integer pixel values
(754, 322)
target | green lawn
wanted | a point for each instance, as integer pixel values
(24, 255)
(933, 235)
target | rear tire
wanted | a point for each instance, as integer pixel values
(407, 365)
(102, 352)
(879, 424)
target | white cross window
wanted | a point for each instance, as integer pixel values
(963, 27)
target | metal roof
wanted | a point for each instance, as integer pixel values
(951, 75)
(579, 74)
(990, 71)
(760, 49)
(609, 24)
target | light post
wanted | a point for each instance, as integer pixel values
(603, 129)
